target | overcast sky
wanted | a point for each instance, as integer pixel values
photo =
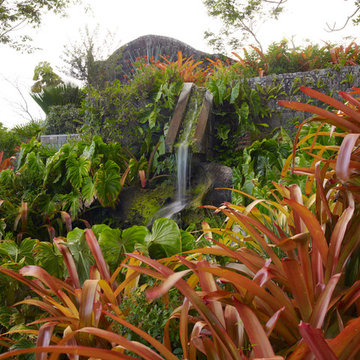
(185, 20)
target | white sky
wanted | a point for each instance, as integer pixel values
(185, 20)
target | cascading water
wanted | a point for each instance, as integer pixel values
(182, 160)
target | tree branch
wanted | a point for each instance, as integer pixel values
(333, 28)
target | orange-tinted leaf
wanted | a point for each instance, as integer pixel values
(78, 350)
(330, 117)
(255, 331)
(97, 254)
(313, 226)
(343, 166)
(44, 337)
(316, 342)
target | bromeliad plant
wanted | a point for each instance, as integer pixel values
(188, 69)
(289, 290)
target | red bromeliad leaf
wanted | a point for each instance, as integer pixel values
(332, 102)
(69, 262)
(352, 295)
(87, 300)
(166, 285)
(329, 116)
(350, 98)
(66, 218)
(316, 342)
(346, 345)
(314, 228)
(264, 275)
(343, 166)
(44, 337)
(234, 325)
(214, 325)
(254, 290)
(58, 319)
(246, 220)
(337, 237)
(183, 327)
(50, 281)
(142, 178)
(211, 351)
(255, 331)
(320, 310)
(271, 323)
(207, 283)
(97, 254)
(195, 339)
(298, 287)
(43, 305)
(78, 350)
(134, 346)
(155, 343)
(319, 176)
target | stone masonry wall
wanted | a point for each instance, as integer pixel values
(286, 87)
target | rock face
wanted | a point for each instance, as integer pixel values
(210, 176)
(153, 46)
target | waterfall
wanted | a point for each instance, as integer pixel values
(182, 166)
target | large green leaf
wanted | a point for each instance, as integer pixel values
(187, 241)
(115, 243)
(135, 234)
(48, 257)
(11, 251)
(165, 238)
(110, 243)
(71, 202)
(77, 169)
(107, 183)
(80, 252)
(88, 191)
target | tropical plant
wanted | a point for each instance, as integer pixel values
(6, 163)
(75, 305)
(187, 69)
(259, 165)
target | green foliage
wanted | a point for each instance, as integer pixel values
(150, 316)
(16, 13)
(165, 239)
(63, 119)
(107, 183)
(238, 21)
(237, 110)
(11, 139)
(44, 77)
(70, 179)
(133, 112)
(58, 96)
(259, 165)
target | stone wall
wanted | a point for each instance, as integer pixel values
(58, 141)
(286, 87)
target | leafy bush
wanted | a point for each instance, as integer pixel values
(131, 112)
(63, 119)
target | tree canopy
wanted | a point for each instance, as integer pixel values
(239, 19)
(15, 14)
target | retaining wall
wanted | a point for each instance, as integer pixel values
(286, 87)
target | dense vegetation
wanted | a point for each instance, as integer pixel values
(274, 274)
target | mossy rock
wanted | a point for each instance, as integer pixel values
(137, 206)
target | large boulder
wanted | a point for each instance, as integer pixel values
(152, 46)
